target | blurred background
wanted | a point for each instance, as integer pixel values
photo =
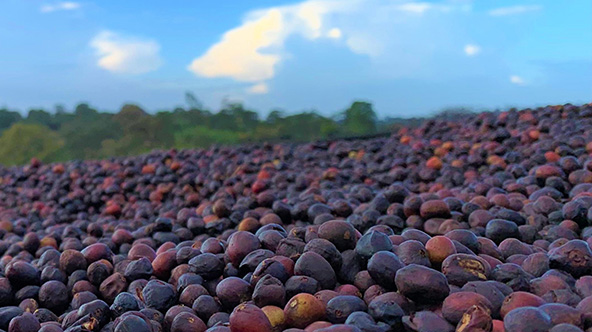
(95, 79)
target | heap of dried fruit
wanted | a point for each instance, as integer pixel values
(481, 224)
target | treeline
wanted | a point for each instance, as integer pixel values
(87, 133)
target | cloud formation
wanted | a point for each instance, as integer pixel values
(415, 7)
(126, 54)
(515, 79)
(258, 89)
(514, 10)
(472, 50)
(66, 5)
(252, 51)
(334, 33)
(238, 54)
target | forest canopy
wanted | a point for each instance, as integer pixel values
(86, 133)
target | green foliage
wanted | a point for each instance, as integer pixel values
(359, 119)
(7, 118)
(87, 133)
(201, 136)
(40, 117)
(140, 132)
(24, 141)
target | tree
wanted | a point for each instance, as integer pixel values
(86, 131)
(201, 136)
(8, 118)
(303, 126)
(193, 101)
(41, 117)
(235, 117)
(129, 115)
(22, 141)
(142, 132)
(359, 119)
(83, 111)
(274, 116)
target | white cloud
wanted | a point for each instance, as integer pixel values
(238, 54)
(472, 50)
(514, 10)
(258, 89)
(126, 54)
(66, 5)
(334, 33)
(515, 79)
(421, 8)
(253, 50)
(415, 7)
(362, 43)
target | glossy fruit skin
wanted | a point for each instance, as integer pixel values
(340, 328)
(158, 295)
(365, 322)
(132, 323)
(384, 308)
(301, 284)
(562, 313)
(272, 267)
(205, 306)
(302, 310)
(240, 245)
(269, 291)
(21, 273)
(527, 319)
(371, 243)
(72, 260)
(53, 295)
(247, 318)
(520, 299)
(276, 317)
(383, 267)
(124, 302)
(207, 265)
(186, 321)
(24, 323)
(422, 284)
(340, 307)
(139, 269)
(232, 291)
(315, 266)
(499, 230)
(427, 321)
(340, 233)
(413, 252)
(564, 327)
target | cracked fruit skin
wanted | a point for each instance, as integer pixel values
(462, 268)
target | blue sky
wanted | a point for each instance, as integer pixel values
(410, 58)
